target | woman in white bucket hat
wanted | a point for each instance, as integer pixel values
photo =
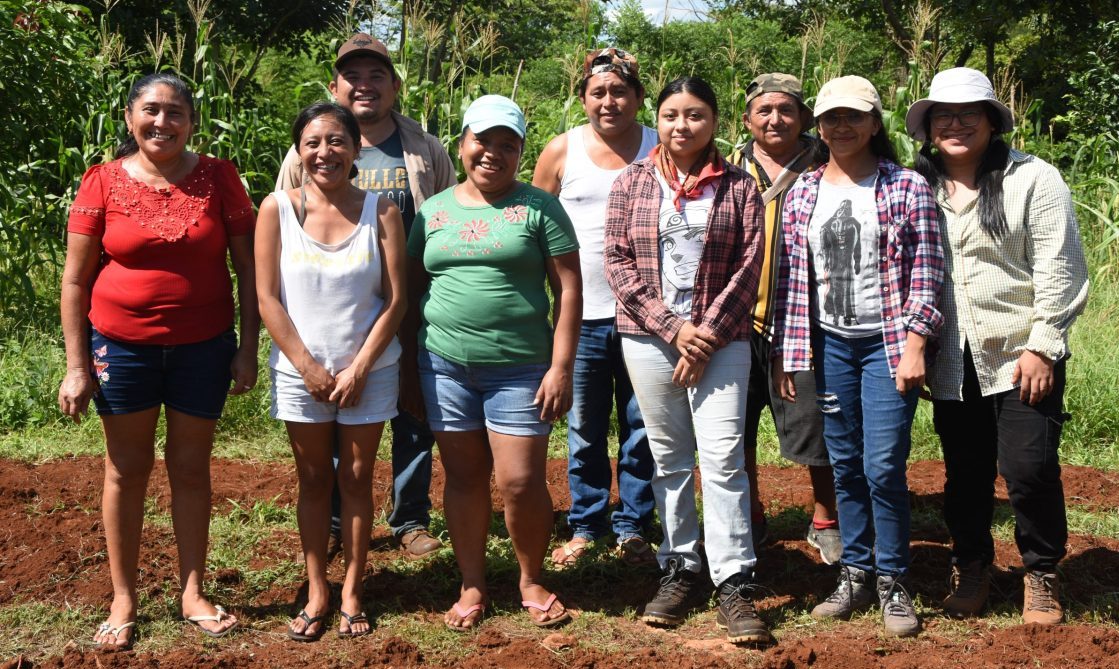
(1016, 281)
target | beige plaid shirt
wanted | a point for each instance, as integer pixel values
(1021, 292)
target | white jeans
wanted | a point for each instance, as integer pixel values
(709, 418)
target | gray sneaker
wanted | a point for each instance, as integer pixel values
(826, 541)
(852, 593)
(898, 614)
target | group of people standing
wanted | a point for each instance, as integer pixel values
(641, 269)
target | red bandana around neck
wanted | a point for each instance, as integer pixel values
(708, 170)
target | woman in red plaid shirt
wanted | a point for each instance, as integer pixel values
(683, 255)
(861, 272)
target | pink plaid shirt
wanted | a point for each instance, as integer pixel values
(910, 264)
(726, 283)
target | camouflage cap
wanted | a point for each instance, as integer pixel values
(775, 82)
(610, 59)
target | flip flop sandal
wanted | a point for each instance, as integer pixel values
(106, 628)
(217, 618)
(351, 621)
(545, 607)
(315, 636)
(570, 552)
(465, 612)
(636, 552)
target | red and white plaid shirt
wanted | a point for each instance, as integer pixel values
(726, 282)
(910, 264)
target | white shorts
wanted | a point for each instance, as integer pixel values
(291, 401)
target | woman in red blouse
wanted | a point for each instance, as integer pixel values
(147, 314)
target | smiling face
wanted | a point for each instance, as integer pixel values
(847, 132)
(491, 158)
(611, 103)
(327, 152)
(776, 121)
(365, 85)
(957, 142)
(685, 126)
(160, 121)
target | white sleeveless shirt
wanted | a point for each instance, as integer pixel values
(332, 292)
(584, 190)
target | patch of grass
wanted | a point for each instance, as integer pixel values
(34, 628)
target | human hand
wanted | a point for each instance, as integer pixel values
(687, 374)
(910, 373)
(349, 385)
(554, 397)
(75, 392)
(411, 395)
(243, 370)
(319, 382)
(783, 382)
(1034, 373)
(694, 343)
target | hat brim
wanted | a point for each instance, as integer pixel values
(843, 101)
(915, 117)
(478, 127)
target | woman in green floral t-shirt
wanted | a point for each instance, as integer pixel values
(494, 373)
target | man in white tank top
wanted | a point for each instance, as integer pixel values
(580, 166)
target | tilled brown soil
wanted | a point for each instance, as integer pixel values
(52, 551)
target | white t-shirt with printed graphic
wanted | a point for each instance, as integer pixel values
(680, 237)
(843, 244)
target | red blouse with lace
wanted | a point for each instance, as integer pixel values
(163, 277)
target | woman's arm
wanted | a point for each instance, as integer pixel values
(319, 382)
(639, 300)
(923, 248)
(350, 382)
(411, 397)
(82, 255)
(244, 365)
(554, 397)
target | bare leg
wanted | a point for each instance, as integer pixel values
(468, 464)
(313, 447)
(129, 454)
(189, 442)
(520, 470)
(357, 452)
(823, 491)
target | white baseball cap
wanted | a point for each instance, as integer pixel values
(958, 85)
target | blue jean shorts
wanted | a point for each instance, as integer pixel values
(189, 378)
(462, 398)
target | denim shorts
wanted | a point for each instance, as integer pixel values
(292, 402)
(462, 398)
(189, 378)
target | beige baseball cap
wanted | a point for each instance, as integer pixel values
(852, 92)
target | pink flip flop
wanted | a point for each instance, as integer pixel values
(463, 613)
(545, 607)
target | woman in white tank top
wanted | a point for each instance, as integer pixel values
(331, 291)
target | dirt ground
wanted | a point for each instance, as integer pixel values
(52, 551)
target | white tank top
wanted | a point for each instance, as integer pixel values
(332, 292)
(584, 189)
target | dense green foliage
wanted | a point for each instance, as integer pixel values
(67, 69)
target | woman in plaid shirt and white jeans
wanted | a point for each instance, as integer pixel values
(683, 254)
(860, 275)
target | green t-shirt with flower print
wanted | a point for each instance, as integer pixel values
(487, 303)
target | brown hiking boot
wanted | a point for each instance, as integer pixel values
(419, 543)
(1041, 603)
(968, 588)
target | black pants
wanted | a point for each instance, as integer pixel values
(981, 433)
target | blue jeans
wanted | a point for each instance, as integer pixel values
(866, 429)
(600, 380)
(411, 477)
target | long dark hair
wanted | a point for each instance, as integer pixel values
(692, 86)
(988, 176)
(128, 145)
(880, 144)
(343, 116)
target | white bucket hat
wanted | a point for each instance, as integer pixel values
(956, 86)
(851, 92)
